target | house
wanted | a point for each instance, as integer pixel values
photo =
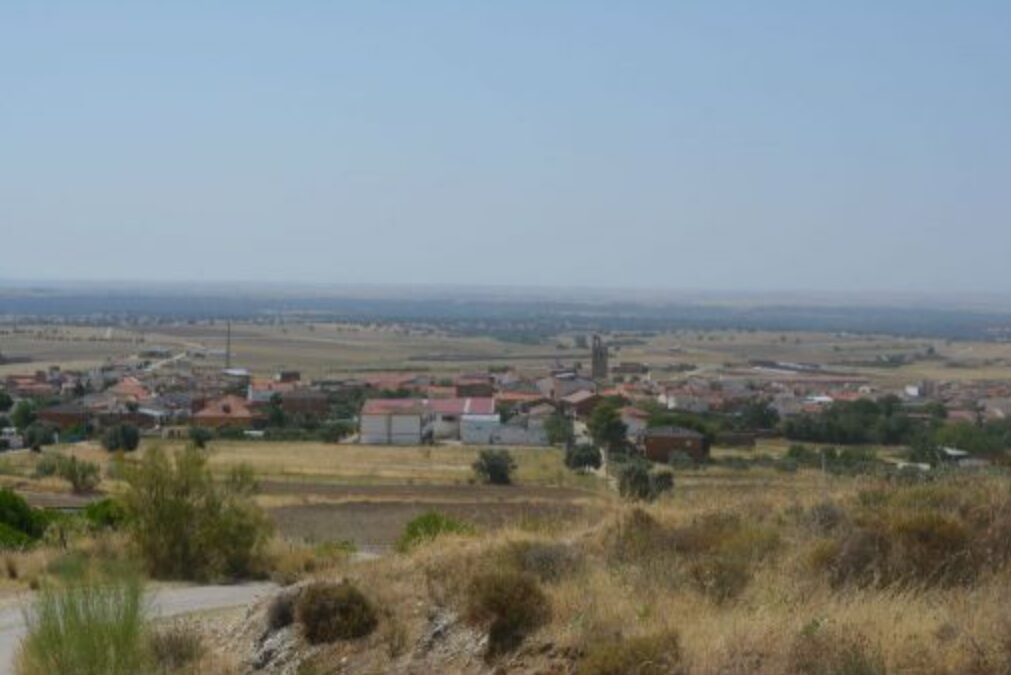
(448, 413)
(635, 420)
(130, 389)
(305, 402)
(10, 439)
(261, 391)
(65, 416)
(395, 421)
(657, 444)
(474, 386)
(561, 385)
(227, 411)
(580, 403)
(524, 429)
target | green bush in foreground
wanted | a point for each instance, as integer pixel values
(330, 612)
(186, 525)
(16, 514)
(86, 629)
(427, 527)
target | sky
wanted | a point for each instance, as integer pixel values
(734, 145)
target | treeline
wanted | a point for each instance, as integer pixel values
(882, 422)
(888, 422)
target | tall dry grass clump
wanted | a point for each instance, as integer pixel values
(86, 628)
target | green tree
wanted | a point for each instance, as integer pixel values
(124, 437)
(494, 466)
(638, 482)
(186, 525)
(5, 401)
(758, 414)
(23, 414)
(606, 427)
(200, 436)
(582, 457)
(38, 434)
(559, 429)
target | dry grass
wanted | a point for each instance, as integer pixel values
(785, 610)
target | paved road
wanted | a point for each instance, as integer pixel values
(165, 602)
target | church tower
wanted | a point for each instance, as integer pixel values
(599, 359)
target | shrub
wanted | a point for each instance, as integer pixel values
(650, 655)
(175, 647)
(512, 604)
(200, 436)
(186, 525)
(721, 577)
(281, 610)
(548, 561)
(333, 432)
(582, 457)
(83, 476)
(18, 515)
(123, 437)
(494, 467)
(86, 629)
(821, 651)
(47, 465)
(105, 514)
(825, 516)
(637, 537)
(637, 482)
(328, 612)
(427, 527)
(11, 539)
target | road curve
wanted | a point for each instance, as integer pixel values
(163, 603)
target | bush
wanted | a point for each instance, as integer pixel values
(175, 647)
(38, 434)
(512, 604)
(48, 465)
(16, 514)
(105, 514)
(281, 611)
(86, 629)
(582, 457)
(200, 436)
(651, 655)
(83, 476)
(638, 483)
(186, 525)
(11, 539)
(427, 527)
(334, 432)
(494, 467)
(328, 612)
(820, 651)
(548, 561)
(125, 437)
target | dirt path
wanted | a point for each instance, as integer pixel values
(164, 603)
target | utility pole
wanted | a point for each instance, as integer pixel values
(228, 345)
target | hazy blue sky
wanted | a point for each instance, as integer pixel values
(722, 145)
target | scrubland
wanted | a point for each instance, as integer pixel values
(861, 576)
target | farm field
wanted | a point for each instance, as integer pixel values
(328, 349)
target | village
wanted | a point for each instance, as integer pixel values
(167, 393)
